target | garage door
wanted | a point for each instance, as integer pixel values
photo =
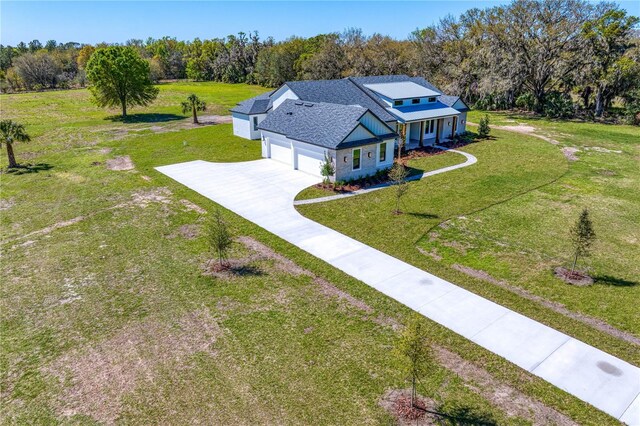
(280, 151)
(309, 161)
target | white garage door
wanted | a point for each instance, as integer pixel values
(280, 151)
(309, 161)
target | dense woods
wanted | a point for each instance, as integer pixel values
(558, 58)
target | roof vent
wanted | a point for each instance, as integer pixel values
(299, 103)
(308, 105)
(289, 113)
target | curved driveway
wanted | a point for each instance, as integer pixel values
(263, 192)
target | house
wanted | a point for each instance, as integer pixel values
(355, 121)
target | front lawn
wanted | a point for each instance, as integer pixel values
(501, 225)
(108, 316)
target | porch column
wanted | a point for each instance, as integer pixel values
(407, 136)
(438, 122)
(422, 124)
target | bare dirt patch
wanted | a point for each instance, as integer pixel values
(192, 206)
(433, 254)
(554, 306)
(397, 402)
(188, 231)
(97, 378)
(215, 119)
(6, 203)
(570, 153)
(526, 130)
(264, 252)
(513, 402)
(120, 163)
(156, 195)
(55, 226)
(603, 150)
(575, 278)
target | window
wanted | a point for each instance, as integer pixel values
(255, 123)
(432, 99)
(355, 161)
(397, 103)
(433, 122)
(382, 153)
(415, 101)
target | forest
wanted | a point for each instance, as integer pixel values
(557, 58)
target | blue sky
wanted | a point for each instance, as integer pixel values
(112, 21)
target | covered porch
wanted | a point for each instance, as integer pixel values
(428, 132)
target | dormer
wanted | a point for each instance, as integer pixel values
(403, 93)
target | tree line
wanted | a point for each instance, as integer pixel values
(560, 58)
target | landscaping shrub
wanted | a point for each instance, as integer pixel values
(558, 105)
(483, 127)
(526, 101)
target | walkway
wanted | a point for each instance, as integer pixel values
(470, 159)
(263, 191)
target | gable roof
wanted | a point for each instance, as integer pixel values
(343, 92)
(317, 123)
(257, 105)
(451, 101)
(401, 90)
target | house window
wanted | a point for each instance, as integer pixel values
(433, 99)
(397, 103)
(433, 122)
(355, 162)
(415, 101)
(255, 123)
(382, 154)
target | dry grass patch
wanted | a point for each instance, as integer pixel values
(120, 163)
(96, 380)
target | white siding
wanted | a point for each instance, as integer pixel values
(241, 125)
(374, 124)
(359, 133)
(255, 134)
(447, 128)
(281, 95)
(462, 123)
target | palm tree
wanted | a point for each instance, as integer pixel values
(193, 104)
(11, 132)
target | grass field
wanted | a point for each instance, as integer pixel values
(107, 314)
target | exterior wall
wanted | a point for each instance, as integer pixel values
(241, 125)
(297, 148)
(368, 165)
(374, 124)
(359, 133)
(447, 128)
(281, 95)
(462, 123)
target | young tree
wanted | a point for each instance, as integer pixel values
(582, 237)
(219, 236)
(193, 104)
(483, 127)
(327, 169)
(11, 132)
(398, 177)
(119, 76)
(414, 352)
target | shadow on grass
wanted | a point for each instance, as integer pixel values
(616, 282)
(246, 270)
(145, 118)
(467, 416)
(423, 215)
(29, 168)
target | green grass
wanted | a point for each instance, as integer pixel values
(509, 216)
(119, 291)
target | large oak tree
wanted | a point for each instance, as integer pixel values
(120, 77)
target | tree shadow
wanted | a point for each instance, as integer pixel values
(145, 118)
(466, 416)
(246, 270)
(423, 215)
(29, 168)
(614, 281)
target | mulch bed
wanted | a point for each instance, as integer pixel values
(575, 278)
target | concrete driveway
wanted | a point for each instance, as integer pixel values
(263, 191)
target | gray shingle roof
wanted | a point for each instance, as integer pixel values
(450, 100)
(342, 91)
(322, 124)
(257, 105)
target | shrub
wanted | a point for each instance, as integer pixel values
(526, 101)
(327, 169)
(558, 105)
(483, 127)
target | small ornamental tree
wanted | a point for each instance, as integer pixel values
(11, 132)
(582, 237)
(327, 169)
(402, 134)
(398, 177)
(219, 237)
(414, 352)
(120, 77)
(483, 127)
(193, 104)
